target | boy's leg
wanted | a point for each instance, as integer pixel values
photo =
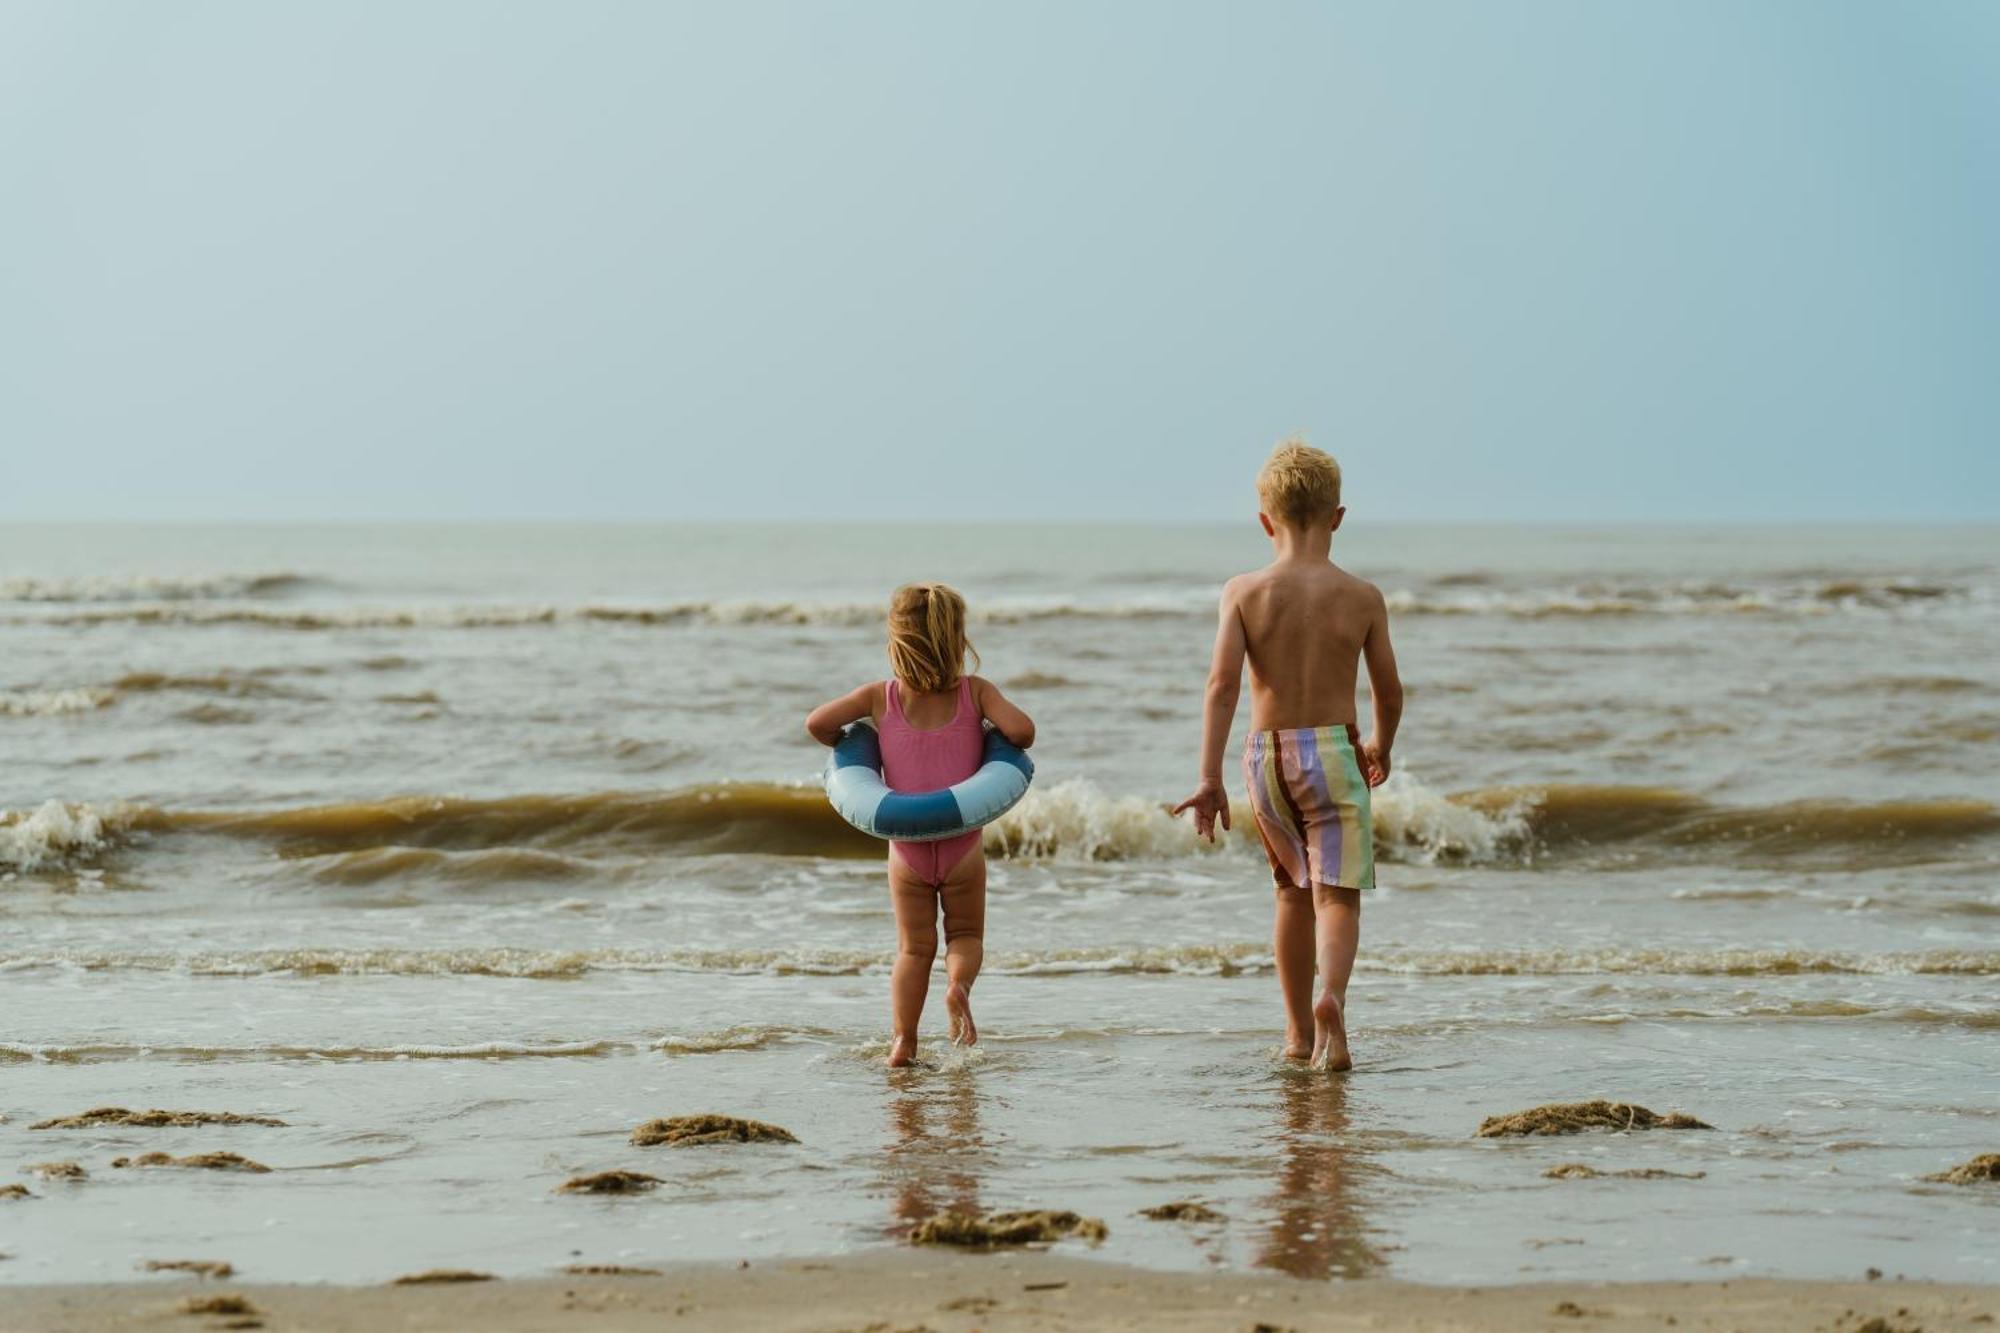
(1292, 947)
(964, 898)
(1337, 936)
(916, 908)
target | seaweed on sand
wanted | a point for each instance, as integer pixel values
(203, 1161)
(1040, 1226)
(16, 1192)
(215, 1268)
(610, 1270)
(435, 1276)
(59, 1171)
(1983, 1168)
(1576, 1117)
(227, 1304)
(609, 1182)
(118, 1115)
(685, 1130)
(1182, 1210)
(1584, 1171)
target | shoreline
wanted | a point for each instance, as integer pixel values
(945, 1291)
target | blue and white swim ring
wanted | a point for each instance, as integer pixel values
(854, 784)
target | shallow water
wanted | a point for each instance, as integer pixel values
(466, 850)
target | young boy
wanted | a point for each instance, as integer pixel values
(1305, 624)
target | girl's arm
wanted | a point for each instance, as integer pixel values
(826, 721)
(996, 708)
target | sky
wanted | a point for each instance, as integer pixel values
(492, 259)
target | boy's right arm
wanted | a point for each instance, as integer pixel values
(1385, 687)
(827, 721)
(1210, 801)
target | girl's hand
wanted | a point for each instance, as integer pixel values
(1374, 764)
(1209, 803)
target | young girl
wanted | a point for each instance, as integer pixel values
(930, 717)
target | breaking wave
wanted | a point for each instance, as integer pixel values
(54, 703)
(148, 588)
(1203, 960)
(536, 837)
(193, 603)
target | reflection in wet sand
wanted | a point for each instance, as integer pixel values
(937, 1153)
(1316, 1228)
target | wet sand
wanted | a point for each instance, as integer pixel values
(949, 1292)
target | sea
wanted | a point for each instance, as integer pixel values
(464, 850)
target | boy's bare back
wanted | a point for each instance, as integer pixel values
(1306, 624)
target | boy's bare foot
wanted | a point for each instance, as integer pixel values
(958, 1003)
(1298, 1049)
(902, 1052)
(1330, 1035)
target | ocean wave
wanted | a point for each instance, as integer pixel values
(57, 834)
(54, 703)
(255, 684)
(148, 587)
(96, 1052)
(1196, 960)
(536, 837)
(1811, 597)
(1438, 598)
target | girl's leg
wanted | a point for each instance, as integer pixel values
(964, 898)
(1292, 947)
(916, 948)
(1338, 934)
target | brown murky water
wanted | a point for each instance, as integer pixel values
(466, 851)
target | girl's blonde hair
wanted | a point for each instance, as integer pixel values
(927, 643)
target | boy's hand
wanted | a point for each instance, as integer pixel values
(1374, 764)
(1209, 802)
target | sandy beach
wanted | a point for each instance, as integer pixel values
(948, 1292)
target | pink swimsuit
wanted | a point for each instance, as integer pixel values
(917, 760)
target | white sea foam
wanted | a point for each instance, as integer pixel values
(54, 703)
(1426, 826)
(53, 833)
(1074, 820)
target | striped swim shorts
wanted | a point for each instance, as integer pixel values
(1312, 808)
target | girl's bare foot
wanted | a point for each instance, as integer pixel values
(958, 1003)
(1330, 1035)
(902, 1052)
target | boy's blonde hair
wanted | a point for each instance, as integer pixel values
(927, 643)
(1299, 484)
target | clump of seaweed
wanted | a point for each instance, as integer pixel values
(1576, 1117)
(215, 1268)
(59, 1171)
(610, 1270)
(1182, 1210)
(685, 1130)
(1979, 1170)
(1040, 1226)
(434, 1276)
(15, 1192)
(204, 1161)
(118, 1115)
(1584, 1171)
(609, 1182)
(223, 1304)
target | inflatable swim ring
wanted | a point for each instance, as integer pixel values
(854, 785)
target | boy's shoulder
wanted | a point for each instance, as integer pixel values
(1329, 576)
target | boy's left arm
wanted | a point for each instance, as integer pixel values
(1385, 687)
(1210, 801)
